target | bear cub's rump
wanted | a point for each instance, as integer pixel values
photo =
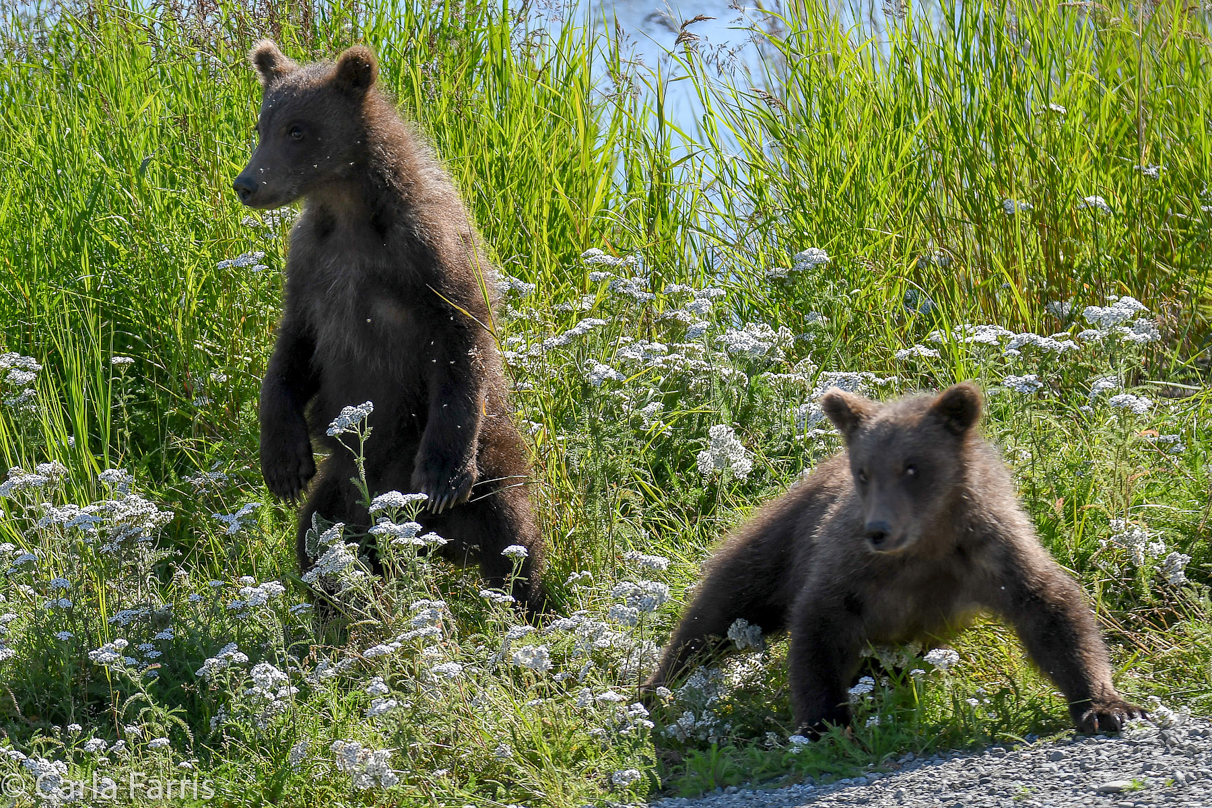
(905, 535)
(384, 302)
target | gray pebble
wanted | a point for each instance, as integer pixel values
(1171, 767)
(1115, 787)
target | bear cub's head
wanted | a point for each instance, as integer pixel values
(311, 127)
(908, 459)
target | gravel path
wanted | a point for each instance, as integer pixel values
(1147, 766)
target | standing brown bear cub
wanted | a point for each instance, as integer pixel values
(385, 301)
(902, 537)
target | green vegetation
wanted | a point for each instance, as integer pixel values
(956, 199)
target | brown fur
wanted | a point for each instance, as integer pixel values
(385, 301)
(903, 537)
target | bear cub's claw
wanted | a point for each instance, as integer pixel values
(445, 488)
(1107, 715)
(287, 465)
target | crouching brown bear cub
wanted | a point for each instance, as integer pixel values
(902, 537)
(386, 301)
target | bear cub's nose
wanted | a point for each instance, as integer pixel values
(244, 187)
(877, 532)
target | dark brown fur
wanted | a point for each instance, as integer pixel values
(385, 302)
(903, 537)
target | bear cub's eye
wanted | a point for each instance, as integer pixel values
(296, 133)
(910, 470)
(862, 476)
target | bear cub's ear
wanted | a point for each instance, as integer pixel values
(847, 411)
(269, 62)
(357, 70)
(958, 407)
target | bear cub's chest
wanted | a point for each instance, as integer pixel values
(921, 597)
(353, 292)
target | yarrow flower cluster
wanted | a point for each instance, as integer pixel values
(809, 259)
(507, 284)
(596, 373)
(229, 655)
(350, 419)
(725, 452)
(1174, 568)
(535, 657)
(746, 635)
(1112, 321)
(43, 475)
(367, 767)
(248, 260)
(235, 521)
(942, 659)
(19, 372)
(396, 500)
(652, 562)
(1023, 384)
(862, 689)
(1138, 405)
(757, 340)
(916, 351)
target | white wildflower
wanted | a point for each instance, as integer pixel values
(447, 670)
(746, 635)
(118, 480)
(596, 373)
(646, 596)
(298, 754)
(1139, 405)
(507, 284)
(249, 259)
(942, 658)
(595, 256)
(234, 521)
(862, 688)
(399, 534)
(229, 655)
(1174, 568)
(625, 778)
(1023, 384)
(807, 416)
(652, 562)
(381, 707)
(394, 499)
(1096, 203)
(916, 350)
(1103, 384)
(1121, 310)
(367, 767)
(350, 418)
(725, 452)
(756, 340)
(535, 657)
(1060, 309)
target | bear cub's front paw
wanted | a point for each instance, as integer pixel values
(1106, 715)
(445, 487)
(287, 463)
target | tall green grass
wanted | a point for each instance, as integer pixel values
(123, 124)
